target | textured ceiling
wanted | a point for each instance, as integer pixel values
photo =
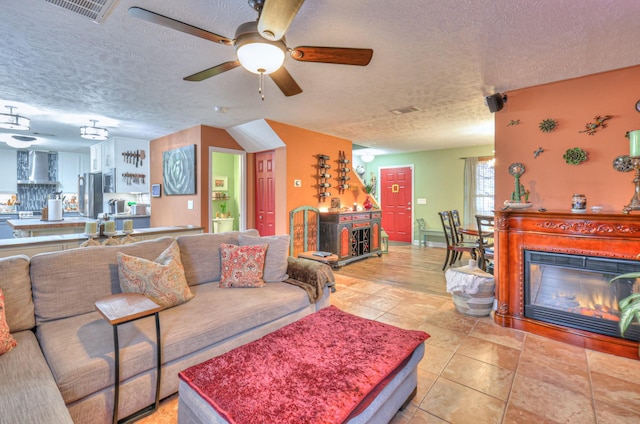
(61, 69)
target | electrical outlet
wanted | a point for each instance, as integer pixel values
(189, 204)
(297, 183)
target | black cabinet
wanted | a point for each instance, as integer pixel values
(351, 235)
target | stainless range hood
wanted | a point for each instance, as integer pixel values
(38, 169)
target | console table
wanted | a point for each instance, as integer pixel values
(351, 235)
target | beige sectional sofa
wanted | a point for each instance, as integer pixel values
(63, 366)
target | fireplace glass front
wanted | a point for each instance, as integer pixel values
(574, 291)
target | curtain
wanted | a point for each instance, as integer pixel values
(470, 190)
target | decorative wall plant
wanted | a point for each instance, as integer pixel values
(548, 125)
(599, 123)
(575, 156)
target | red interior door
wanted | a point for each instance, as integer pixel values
(265, 194)
(395, 201)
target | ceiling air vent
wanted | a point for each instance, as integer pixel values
(96, 10)
(403, 110)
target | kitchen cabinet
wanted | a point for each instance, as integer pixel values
(108, 155)
(70, 165)
(351, 236)
(8, 170)
(138, 221)
(96, 158)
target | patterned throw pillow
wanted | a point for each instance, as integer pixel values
(162, 280)
(242, 266)
(7, 342)
(276, 264)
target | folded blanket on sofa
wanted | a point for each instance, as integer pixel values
(311, 276)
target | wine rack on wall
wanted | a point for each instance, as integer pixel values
(343, 172)
(324, 177)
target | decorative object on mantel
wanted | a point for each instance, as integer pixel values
(548, 125)
(634, 154)
(579, 203)
(537, 152)
(516, 202)
(622, 163)
(575, 156)
(513, 123)
(592, 127)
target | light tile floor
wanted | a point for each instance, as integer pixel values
(475, 371)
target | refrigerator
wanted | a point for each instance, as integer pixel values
(90, 194)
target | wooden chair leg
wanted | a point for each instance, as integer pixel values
(446, 260)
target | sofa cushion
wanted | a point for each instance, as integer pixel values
(28, 392)
(80, 349)
(69, 282)
(201, 254)
(275, 266)
(242, 266)
(16, 286)
(161, 280)
(7, 342)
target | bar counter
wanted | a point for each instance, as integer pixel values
(32, 245)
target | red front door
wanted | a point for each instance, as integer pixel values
(265, 194)
(395, 201)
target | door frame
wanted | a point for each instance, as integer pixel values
(242, 219)
(413, 188)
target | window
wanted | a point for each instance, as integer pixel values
(479, 188)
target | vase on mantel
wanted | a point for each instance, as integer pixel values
(367, 204)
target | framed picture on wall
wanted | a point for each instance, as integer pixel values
(179, 170)
(156, 190)
(220, 184)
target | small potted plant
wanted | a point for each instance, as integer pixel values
(629, 306)
(223, 207)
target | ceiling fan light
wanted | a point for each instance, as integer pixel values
(257, 54)
(10, 121)
(93, 132)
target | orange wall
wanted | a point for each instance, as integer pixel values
(573, 103)
(172, 210)
(302, 148)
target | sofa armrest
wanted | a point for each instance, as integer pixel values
(310, 275)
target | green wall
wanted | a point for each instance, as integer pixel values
(228, 165)
(438, 178)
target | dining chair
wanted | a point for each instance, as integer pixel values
(455, 248)
(485, 241)
(422, 230)
(461, 234)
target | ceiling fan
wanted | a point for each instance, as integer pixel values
(260, 45)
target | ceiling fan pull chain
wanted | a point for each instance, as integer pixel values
(261, 87)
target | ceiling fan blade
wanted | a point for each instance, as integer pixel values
(212, 72)
(285, 82)
(339, 55)
(276, 16)
(155, 18)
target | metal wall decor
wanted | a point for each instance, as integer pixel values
(575, 156)
(599, 123)
(548, 125)
(323, 177)
(343, 171)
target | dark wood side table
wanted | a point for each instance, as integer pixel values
(119, 309)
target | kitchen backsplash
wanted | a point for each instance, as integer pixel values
(33, 197)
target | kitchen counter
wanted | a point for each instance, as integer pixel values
(33, 227)
(32, 245)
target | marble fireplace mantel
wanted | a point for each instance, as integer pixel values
(603, 235)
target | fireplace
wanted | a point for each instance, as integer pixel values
(552, 271)
(574, 291)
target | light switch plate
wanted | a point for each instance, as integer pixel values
(189, 204)
(422, 201)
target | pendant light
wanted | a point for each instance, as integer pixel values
(12, 121)
(93, 132)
